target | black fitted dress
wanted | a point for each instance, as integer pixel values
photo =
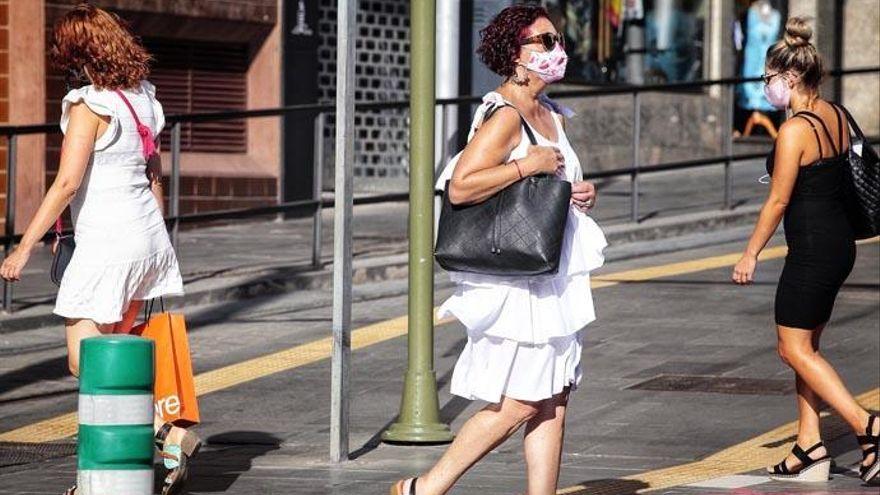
(821, 246)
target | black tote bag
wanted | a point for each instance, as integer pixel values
(862, 183)
(516, 232)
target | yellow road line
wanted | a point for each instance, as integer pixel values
(756, 453)
(65, 425)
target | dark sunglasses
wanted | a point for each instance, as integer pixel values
(769, 77)
(547, 40)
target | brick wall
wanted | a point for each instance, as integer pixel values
(4, 99)
(199, 193)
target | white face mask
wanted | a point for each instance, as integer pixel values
(549, 66)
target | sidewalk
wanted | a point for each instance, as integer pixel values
(259, 257)
(683, 392)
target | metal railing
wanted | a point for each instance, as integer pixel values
(318, 112)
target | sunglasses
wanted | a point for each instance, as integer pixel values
(547, 40)
(769, 77)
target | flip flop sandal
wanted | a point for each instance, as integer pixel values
(404, 487)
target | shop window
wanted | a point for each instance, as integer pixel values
(599, 43)
(193, 77)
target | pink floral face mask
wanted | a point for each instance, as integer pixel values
(778, 93)
(549, 66)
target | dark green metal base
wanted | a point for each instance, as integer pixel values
(419, 412)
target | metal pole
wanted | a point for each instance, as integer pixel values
(10, 214)
(727, 129)
(419, 419)
(341, 353)
(634, 177)
(317, 187)
(174, 202)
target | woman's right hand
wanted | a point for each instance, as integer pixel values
(543, 160)
(14, 264)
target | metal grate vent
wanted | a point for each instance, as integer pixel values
(716, 385)
(14, 453)
(382, 74)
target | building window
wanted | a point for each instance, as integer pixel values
(193, 77)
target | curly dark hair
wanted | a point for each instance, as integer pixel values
(500, 40)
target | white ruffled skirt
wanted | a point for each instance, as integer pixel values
(525, 334)
(108, 271)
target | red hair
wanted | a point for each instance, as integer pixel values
(94, 41)
(500, 40)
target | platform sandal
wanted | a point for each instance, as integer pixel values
(810, 470)
(176, 458)
(404, 487)
(870, 472)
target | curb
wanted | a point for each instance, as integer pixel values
(625, 241)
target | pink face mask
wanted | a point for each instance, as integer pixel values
(778, 93)
(549, 66)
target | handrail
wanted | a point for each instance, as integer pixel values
(314, 108)
(317, 203)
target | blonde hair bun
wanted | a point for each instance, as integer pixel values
(797, 32)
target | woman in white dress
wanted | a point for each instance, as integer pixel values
(524, 334)
(110, 175)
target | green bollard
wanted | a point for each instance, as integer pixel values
(115, 444)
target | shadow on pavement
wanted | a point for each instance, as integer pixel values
(609, 487)
(225, 457)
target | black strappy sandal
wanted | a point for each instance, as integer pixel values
(177, 458)
(810, 470)
(404, 487)
(71, 490)
(868, 473)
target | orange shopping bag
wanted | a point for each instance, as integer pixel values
(174, 391)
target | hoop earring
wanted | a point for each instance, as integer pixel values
(519, 80)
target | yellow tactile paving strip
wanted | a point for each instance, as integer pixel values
(756, 453)
(746, 456)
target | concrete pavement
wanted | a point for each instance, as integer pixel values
(682, 386)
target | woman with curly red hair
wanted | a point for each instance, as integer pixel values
(110, 175)
(524, 334)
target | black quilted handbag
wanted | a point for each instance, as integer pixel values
(63, 253)
(516, 232)
(862, 183)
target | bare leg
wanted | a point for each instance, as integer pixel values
(544, 435)
(485, 430)
(76, 330)
(809, 403)
(796, 349)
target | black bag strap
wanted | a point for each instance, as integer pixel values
(854, 128)
(525, 124)
(148, 307)
(824, 127)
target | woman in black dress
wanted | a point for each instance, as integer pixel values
(806, 166)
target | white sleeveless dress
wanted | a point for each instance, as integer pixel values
(525, 334)
(123, 252)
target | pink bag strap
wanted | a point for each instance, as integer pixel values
(147, 140)
(59, 229)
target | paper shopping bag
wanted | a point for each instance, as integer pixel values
(174, 391)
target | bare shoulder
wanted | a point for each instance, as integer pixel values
(793, 130)
(504, 122)
(80, 112)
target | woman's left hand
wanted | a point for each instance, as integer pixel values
(583, 195)
(14, 264)
(744, 271)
